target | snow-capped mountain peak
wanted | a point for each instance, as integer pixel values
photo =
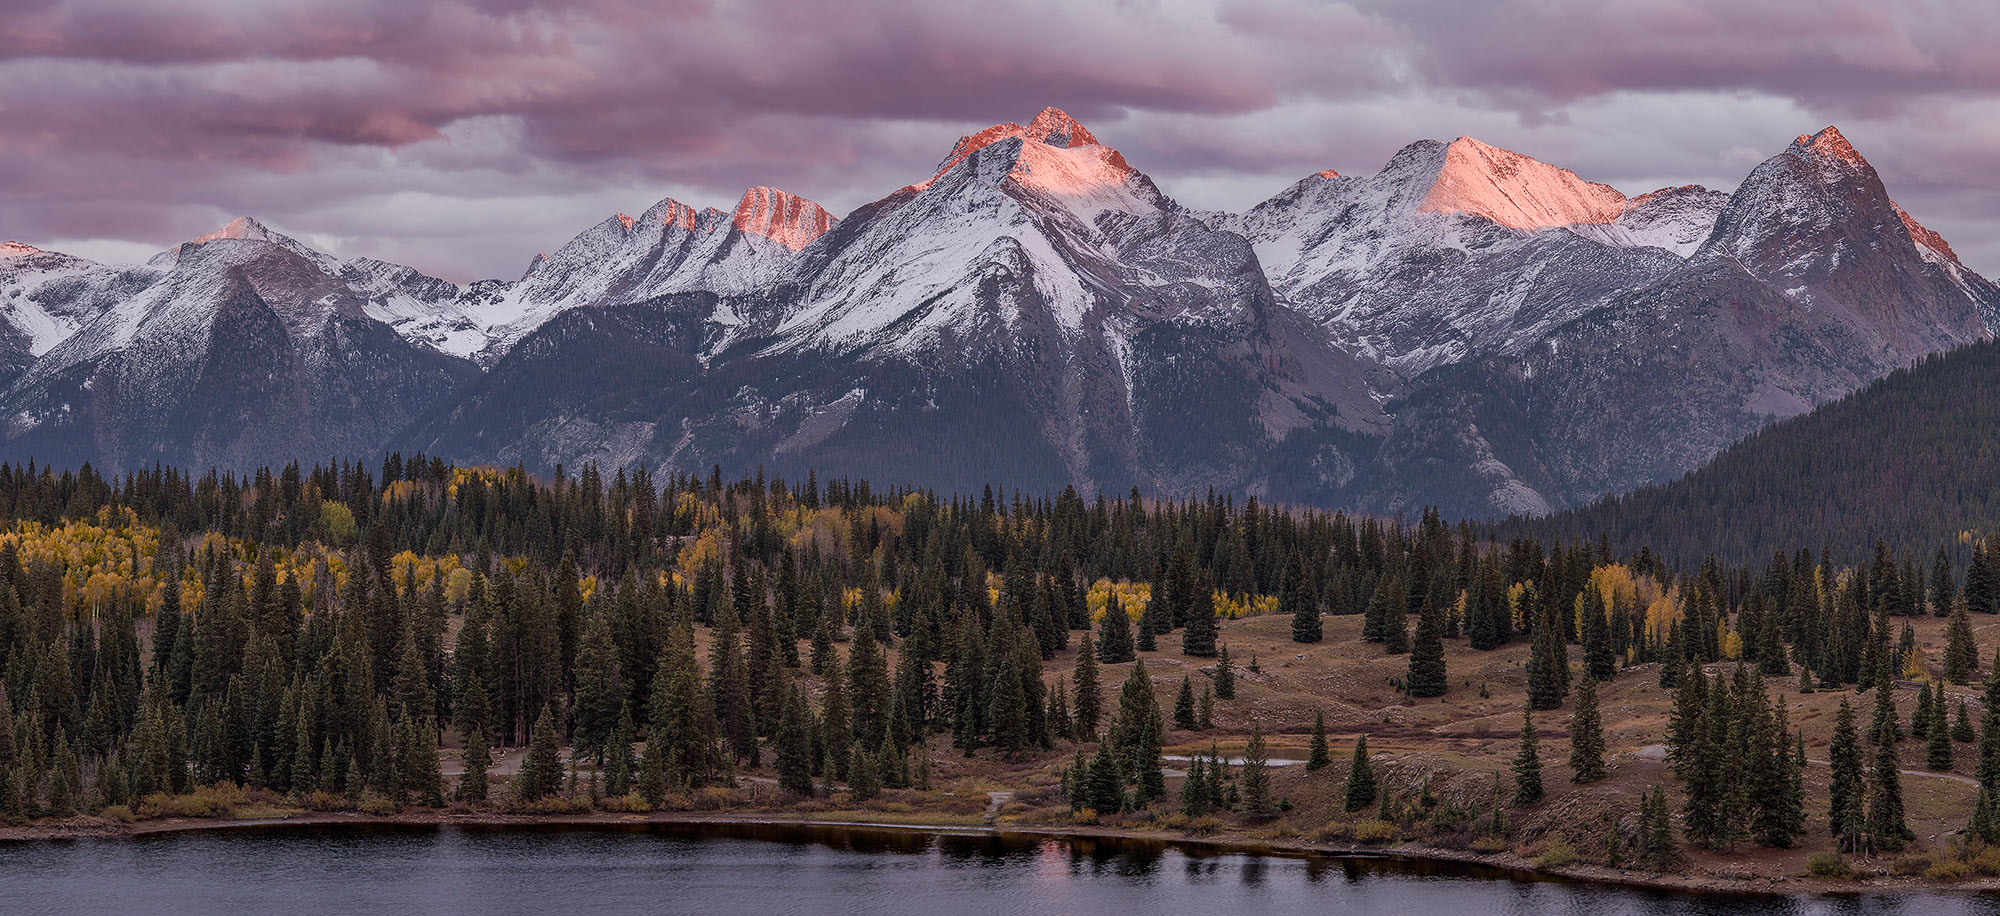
(1516, 191)
(17, 250)
(1053, 127)
(242, 227)
(1829, 143)
(785, 218)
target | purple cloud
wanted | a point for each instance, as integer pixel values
(462, 136)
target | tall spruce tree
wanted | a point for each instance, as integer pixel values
(1427, 677)
(1198, 639)
(1846, 816)
(1259, 803)
(1527, 765)
(1086, 697)
(1548, 667)
(1586, 736)
(1114, 635)
(1298, 597)
(1318, 755)
(1360, 777)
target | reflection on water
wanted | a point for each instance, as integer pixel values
(776, 870)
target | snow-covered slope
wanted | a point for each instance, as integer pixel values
(234, 350)
(1452, 250)
(670, 248)
(45, 296)
(1036, 308)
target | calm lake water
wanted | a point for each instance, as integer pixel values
(742, 871)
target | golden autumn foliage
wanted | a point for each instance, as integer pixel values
(1131, 597)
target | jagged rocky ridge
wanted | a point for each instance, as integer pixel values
(1469, 327)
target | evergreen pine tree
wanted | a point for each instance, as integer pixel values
(1662, 851)
(1600, 662)
(418, 760)
(1136, 734)
(1845, 816)
(1586, 736)
(1258, 803)
(1527, 765)
(1887, 826)
(1395, 622)
(1427, 676)
(1937, 744)
(1198, 640)
(1318, 756)
(1225, 675)
(794, 746)
(1106, 781)
(542, 770)
(864, 781)
(1205, 710)
(1961, 653)
(1548, 667)
(1114, 635)
(1086, 697)
(1884, 728)
(1184, 706)
(1360, 777)
(1299, 598)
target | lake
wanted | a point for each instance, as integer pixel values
(779, 870)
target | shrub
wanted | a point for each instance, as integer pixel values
(375, 803)
(1333, 831)
(1947, 870)
(323, 801)
(1374, 831)
(1086, 817)
(1828, 865)
(1490, 844)
(1205, 825)
(1909, 865)
(1556, 854)
(120, 813)
(629, 802)
(715, 798)
(1987, 863)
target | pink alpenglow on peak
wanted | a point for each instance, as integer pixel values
(626, 221)
(1055, 127)
(1517, 191)
(1328, 173)
(17, 250)
(1831, 143)
(682, 215)
(242, 227)
(788, 219)
(1925, 238)
(1052, 127)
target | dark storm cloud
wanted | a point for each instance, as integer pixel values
(461, 136)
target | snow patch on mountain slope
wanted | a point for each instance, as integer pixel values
(918, 268)
(47, 295)
(1516, 191)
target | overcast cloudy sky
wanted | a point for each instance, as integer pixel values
(462, 137)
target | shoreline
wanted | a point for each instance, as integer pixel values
(1508, 865)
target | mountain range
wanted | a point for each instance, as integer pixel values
(1469, 328)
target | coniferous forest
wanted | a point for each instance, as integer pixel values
(416, 637)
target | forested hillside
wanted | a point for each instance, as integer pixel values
(423, 636)
(1912, 460)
